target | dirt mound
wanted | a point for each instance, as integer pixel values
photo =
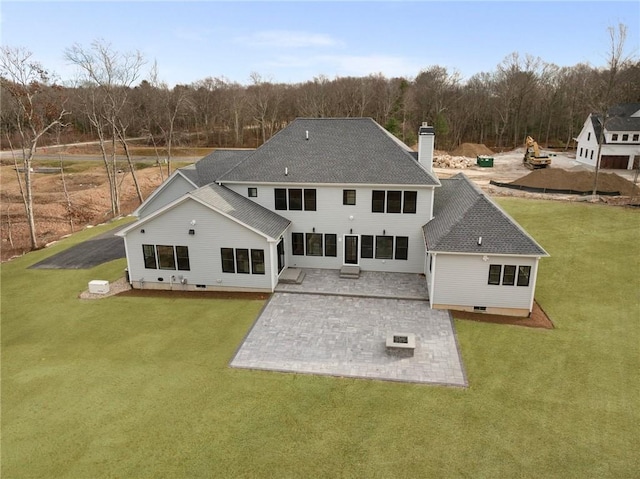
(582, 181)
(471, 150)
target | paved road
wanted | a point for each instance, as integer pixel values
(89, 254)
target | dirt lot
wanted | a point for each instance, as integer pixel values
(89, 203)
(87, 186)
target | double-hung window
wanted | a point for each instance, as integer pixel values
(149, 254)
(330, 245)
(280, 198)
(402, 247)
(494, 273)
(524, 272)
(394, 201)
(509, 275)
(377, 201)
(410, 200)
(228, 262)
(295, 199)
(310, 200)
(257, 261)
(297, 244)
(366, 248)
(242, 261)
(182, 258)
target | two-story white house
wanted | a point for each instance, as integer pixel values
(620, 148)
(325, 193)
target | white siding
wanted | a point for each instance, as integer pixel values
(587, 150)
(462, 280)
(212, 232)
(334, 217)
(171, 190)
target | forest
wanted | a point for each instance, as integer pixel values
(117, 97)
(120, 93)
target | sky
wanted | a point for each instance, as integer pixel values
(295, 41)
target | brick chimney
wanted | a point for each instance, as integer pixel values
(426, 138)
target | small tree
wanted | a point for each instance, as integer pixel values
(26, 82)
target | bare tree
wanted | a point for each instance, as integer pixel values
(25, 80)
(616, 61)
(107, 76)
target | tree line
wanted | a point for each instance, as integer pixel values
(118, 96)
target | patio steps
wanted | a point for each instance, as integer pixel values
(292, 276)
(350, 272)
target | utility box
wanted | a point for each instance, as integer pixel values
(484, 161)
(98, 286)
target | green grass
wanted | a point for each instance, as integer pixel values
(137, 387)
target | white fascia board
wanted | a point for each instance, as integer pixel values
(123, 232)
(182, 199)
(537, 256)
(311, 185)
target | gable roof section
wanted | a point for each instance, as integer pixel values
(242, 209)
(338, 150)
(177, 173)
(214, 165)
(230, 204)
(463, 213)
(623, 117)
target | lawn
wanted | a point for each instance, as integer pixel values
(139, 387)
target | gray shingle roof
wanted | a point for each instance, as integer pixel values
(338, 150)
(463, 213)
(214, 165)
(619, 119)
(242, 209)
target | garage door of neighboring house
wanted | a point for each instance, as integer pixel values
(614, 162)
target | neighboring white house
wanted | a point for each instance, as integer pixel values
(325, 193)
(621, 145)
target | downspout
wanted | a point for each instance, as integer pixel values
(533, 288)
(432, 286)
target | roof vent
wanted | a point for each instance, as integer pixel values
(307, 134)
(479, 240)
(286, 171)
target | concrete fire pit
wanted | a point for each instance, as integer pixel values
(401, 344)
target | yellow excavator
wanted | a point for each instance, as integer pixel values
(533, 159)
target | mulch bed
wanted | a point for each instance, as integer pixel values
(158, 293)
(537, 319)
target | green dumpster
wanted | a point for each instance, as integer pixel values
(484, 161)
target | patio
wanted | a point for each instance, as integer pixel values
(338, 327)
(370, 284)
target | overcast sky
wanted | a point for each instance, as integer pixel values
(295, 41)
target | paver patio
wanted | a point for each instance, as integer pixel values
(344, 334)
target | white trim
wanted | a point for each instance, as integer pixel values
(286, 184)
(538, 256)
(432, 286)
(344, 253)
(533, 286)
(123, 232)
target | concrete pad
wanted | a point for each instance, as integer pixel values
(346, 336)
